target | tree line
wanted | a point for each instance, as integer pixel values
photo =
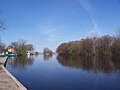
(47, 51)
(2, 27)
(106, 45)
(21, 47)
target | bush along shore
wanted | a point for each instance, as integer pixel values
(107, 46)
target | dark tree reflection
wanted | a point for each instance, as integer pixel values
(116, 63)
(21, 61)
(92, 64)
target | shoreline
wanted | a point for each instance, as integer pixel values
(7, 80)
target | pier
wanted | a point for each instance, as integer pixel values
(3, 60)
(7, 80)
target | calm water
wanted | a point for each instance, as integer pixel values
(58, 73)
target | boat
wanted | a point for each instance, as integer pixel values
(10, 55)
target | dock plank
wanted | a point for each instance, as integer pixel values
(7, 80)
(6, 83)
(3, 60)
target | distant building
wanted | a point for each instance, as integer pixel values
(11, 50)
(28, 52)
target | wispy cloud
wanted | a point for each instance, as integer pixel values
(86, 4)
(49, 32)
(95, 25)
(47, 29)
(51, 37)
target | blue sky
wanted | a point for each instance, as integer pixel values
(48, 23)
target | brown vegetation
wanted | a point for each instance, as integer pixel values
(94, 46)
(21, 47)
(47, 51)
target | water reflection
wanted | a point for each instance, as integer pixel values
(92, 64)
(89, 64)
(47, 57)
(21, 61)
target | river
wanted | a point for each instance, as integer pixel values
(58, 73)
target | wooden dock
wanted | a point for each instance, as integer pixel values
(3, 60)
(7, 80)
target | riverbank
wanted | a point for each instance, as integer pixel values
(3, 60)
(7, 80)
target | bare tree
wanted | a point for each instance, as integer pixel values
(118, 32)
(2, 27)
(2, 24)
(47, 51)
(30, 47)
(21, 47)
